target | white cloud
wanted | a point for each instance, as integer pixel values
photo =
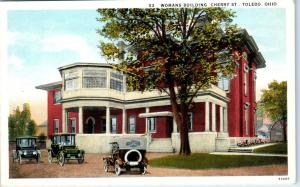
(265, 49)
(69, 42)
(13, 37)
(15, 61)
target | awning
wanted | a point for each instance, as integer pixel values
(155, 114)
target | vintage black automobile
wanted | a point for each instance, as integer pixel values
(26, 148)
(126, 154)
(63, 148)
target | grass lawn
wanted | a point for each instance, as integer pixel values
(280, 148)
(207, 161)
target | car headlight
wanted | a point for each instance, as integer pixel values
(25, 153)
(79, 154)
(34, 152)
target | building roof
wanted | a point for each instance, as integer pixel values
(252, 46)
(85, 64)
(50, 86)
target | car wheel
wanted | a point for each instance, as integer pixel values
(61, 159)
(81, 160)
(20, 159)
(50, 158)
(117, 169)
(105, 166)
(143, 170)
(37, 158)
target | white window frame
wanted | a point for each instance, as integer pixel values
(246, 70)
(71, 121)
(71, 76)
(55, 126)
(113, 131)
(130, 124)
(56, 94)
(100, 74)
(190, 115)
(150, 124)
(246, 113)
(115, 80)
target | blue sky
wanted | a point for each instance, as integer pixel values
(42, 41)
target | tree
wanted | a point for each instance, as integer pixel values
(274, 102)
(176, 51)
(20, 123)
(31, 128)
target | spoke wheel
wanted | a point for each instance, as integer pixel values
(20, 159)
(61, 159)
(81, 160)
(50, 158)
(37, 158)
(117, 169)
(143, 170)
(105, 166)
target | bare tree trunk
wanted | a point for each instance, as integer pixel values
(184, 135)
(284, 125)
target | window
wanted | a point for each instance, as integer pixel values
(73, 125)
(190, 122)
(116, 81)
(246, 119)
(224, 83)
(56, 125)
(246, 69)
(132, 124)
(71, 80)
(94, 78)
(151, 124)
(113, 122)
(56, 97)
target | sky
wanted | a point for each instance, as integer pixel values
(42, 41)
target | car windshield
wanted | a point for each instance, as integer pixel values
(64, 140)
(27, 142)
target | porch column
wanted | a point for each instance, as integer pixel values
(174, 125)
(123, 121)
(63, 128)
(80, 119)
(213, 117)
(107, 120)
(147, 125)
(221, 119)
(206, 116)
(225, 119)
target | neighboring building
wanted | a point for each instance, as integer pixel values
(42, 129)
(91, 93)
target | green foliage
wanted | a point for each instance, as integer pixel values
(209, 161)
(20, 123)
(31, 128)
(274, 100)
(176, 51)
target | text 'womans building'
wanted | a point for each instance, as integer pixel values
(91, 100)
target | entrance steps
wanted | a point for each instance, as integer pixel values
(161, 145)
(240, 149)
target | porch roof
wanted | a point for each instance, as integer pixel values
(155, 114)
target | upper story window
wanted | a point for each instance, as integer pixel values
(56, 97)
(224, 83)
(246, 70)
(71, 80)
(94, 78)
(116, 81)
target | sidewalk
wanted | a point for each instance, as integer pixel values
(248, 154)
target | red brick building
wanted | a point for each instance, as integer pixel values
(91, 93)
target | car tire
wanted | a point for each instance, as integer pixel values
(143, 170)
(50, 158)
(81, 160)
(117, 169)
(20, 159)
(61, 159)
(105, 166)
(37, 158)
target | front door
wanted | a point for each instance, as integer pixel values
(169, 126)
